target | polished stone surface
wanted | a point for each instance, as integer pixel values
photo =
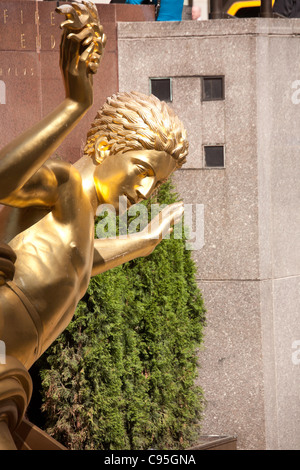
(231, 364)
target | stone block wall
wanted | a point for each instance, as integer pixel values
(249, 266)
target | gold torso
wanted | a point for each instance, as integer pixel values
(55, 256)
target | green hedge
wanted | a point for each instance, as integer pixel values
(122, 375)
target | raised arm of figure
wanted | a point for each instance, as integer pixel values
(109, 253)
(81, 50)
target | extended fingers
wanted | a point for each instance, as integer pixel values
(100, 42)
(83, 35)
(78, 15)
(84, 57)
(93, 53)
(94, 61)
(161, 225)
(173, 213)
(73, 19)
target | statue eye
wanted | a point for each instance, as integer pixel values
(142, 171)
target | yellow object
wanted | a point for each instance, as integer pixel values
(236, 6)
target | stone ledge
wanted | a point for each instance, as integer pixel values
(225, 27)
(215, 443)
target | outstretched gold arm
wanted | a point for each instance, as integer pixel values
(24, 156)
(109, 253)
(81, 50)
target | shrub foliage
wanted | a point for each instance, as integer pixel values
(122, 375)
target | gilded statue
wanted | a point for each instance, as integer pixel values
(134, 144)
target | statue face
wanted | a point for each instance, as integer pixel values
(134, 174)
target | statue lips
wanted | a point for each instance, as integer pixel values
(131, 200)
(139, 197)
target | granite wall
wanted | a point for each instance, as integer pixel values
(249, 267)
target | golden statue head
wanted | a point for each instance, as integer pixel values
(136, 141)
(134, 121)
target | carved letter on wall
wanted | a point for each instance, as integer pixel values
(2, 92)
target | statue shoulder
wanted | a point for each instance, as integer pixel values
(64, 171)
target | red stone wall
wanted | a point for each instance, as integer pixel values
(30, 81)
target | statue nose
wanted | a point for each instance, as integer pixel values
(146, 188)
(140, 194)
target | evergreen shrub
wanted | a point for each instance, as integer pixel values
(122, 375)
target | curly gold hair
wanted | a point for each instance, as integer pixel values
(134, 121)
